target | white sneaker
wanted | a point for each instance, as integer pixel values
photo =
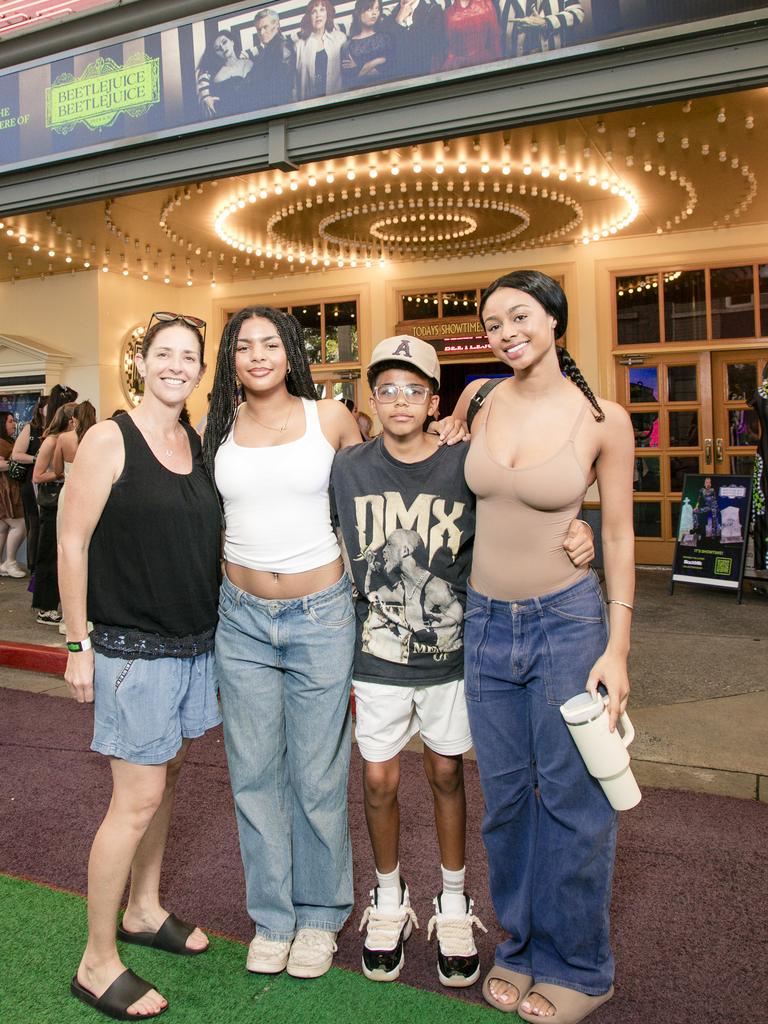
(386, 932)
(458, 963)
(12, 569)
(267, 956)
(311, 953)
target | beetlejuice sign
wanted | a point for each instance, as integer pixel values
(256, 61)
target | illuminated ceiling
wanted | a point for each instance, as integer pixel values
(659, 169)
(17, 16)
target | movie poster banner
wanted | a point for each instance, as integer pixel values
(256, 60)
(713, 530)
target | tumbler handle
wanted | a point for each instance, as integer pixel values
(627, 733)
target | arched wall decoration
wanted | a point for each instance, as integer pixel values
(131, 382)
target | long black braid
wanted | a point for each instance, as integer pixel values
(226, 387)
(551, 297)
(573, 373)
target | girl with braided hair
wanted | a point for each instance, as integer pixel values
(285, 639)
(535, 636)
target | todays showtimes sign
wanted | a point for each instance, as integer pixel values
(450, 336)
(246, 63)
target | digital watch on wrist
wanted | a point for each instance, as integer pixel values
(79, 645)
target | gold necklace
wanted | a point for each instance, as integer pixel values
(266, 426)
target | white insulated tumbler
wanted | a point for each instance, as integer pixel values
(604, 753)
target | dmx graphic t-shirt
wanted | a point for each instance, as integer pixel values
(408, 529)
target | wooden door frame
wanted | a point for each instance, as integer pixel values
(660, 550)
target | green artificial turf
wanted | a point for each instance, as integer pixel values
(41, 936)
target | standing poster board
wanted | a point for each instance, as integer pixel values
(712, 535)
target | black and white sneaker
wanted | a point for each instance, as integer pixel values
(458, 962)
(386, 932)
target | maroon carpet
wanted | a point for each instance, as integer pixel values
(690, 906)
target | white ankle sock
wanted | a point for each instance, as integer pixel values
(452, 899)
(389, 887)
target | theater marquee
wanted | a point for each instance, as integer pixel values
(255, 62)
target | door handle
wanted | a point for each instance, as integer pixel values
(718, 449)
(708, 450)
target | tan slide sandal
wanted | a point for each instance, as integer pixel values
(522, 983)
(570, 1006)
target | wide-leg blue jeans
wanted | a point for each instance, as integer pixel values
(550, 852)
(285, 670)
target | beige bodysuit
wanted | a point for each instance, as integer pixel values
(523, 516)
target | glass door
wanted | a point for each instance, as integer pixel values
(735, 378)
(668, 398)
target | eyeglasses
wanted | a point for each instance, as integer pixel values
(414, 394)
(168, 318)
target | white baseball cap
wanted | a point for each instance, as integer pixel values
(404, 348)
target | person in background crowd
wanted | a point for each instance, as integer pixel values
(272, 81)
(222, 78)
(534, 26)
(60, 395)
(25, 449)
(285, 639)
(472, 31)
(366, 54)
(46, 595)
(535, 636)
(139, 554)
(67, 443)
(318, 51)
(364, 424)
(64, 456)
(417, 29)
(11, 503)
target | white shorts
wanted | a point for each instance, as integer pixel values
(388, 716)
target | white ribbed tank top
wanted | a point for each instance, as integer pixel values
(276, 506)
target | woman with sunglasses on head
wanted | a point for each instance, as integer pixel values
(285, 639)
(139, 556)
(535, 636)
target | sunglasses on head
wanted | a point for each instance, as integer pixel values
(168, 318)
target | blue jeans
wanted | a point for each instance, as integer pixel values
(285, 669)
(145, 707)
(550, 854)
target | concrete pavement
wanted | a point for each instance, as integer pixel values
(698, 667)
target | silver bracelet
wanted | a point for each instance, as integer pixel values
(623, 604)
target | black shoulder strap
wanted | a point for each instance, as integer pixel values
(479, 397)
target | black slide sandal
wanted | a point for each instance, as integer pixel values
(171, 937)
(122, 993)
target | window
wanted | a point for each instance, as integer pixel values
(329, 329)
(437, 305)
(698, 305)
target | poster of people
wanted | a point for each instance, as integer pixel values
(242, 61)
(713, 530)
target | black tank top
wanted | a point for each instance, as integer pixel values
(153, 562)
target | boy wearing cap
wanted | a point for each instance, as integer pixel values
(408, 521)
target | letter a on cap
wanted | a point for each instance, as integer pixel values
(403, 349)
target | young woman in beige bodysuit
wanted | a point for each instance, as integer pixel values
(536, 635)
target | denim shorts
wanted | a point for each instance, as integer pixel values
(144, 708)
